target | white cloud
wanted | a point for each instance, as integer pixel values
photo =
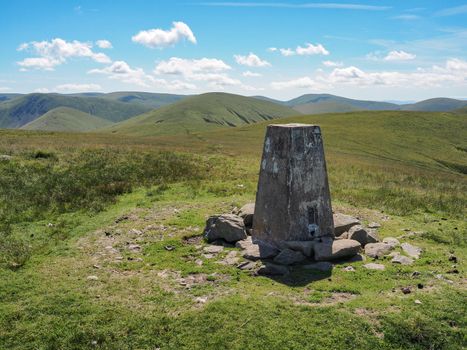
(251, 60)
(332, 64)
(104, 44)
(57, 51)
(452, 11)
(158, 38)
(78, 87)
(287, 52)
(186, 67)
(272, 49)
(120, 70)
(406, 17)
(311, 49)
(453, 72)
(250, 74)
(399, 56)
(302, 83)
(308, 49)
(42, 90)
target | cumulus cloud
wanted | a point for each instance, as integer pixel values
(57, 51)
(272, 49)
(250, 74)
(332, 64)
(159, 38)
(399, 56)
(120, 70)
(454, 71)
(301, 83)
(104, 44)
(251, 60)
(78, 87)
(307, 50)
(183, 66)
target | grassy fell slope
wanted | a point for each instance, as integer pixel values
(22, 110)
(200, 113)
(436, 105)
(89, 187)
(148, 99)
(66, 119)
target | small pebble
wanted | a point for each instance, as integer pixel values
(406, 290)
(417, 301)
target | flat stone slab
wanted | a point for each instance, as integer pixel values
(374, 266)
(244, 243)
(394, 242)
(402, 259)
(411, 250)
(213, 249)
(377, 250)
(338, 249)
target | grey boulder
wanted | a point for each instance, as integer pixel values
(411, 250)
(394, 242)
(305, 247)
(338, 249)
(342, 223)
(246, 213)
(377, 250)
(363, 236)
(401, 259)
(229, 227)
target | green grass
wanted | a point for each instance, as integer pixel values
(200, 113)
(66, 119)
(380, 164)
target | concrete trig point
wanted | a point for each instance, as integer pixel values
(293, 201)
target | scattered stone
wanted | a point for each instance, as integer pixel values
(415, 274)
(213, 249)
(244, 243)
(247, 265)
(455, 271)
(135, 231)
(377, 250)
(406, 290)
(201, 300)
(342, 223)
(420, 286)
(319, 266)
(359, 234)
(349, 269)
(134, 247)
(96, 266)
(411, 250)
(453, 258)
(402, 259)
(417, 301)
(338, 249)
(246, 213)
(289, 257)
(373, 266)
(229, 227)
(374, 225)
(230, 259)
(270, 269)
(199, 262)
(394, 242)
(345, 235)
(208, 256)
(5, 157)
(169, 247)
(92, 278)
(305, 247)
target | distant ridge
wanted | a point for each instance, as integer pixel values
(66, 119)
(201, 113)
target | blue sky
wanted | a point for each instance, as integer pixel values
(384, 50)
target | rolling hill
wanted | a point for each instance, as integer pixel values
(208, 111)
(326, 103)
(147, 99)
(435, 105)
(24, 109)
(66, 119)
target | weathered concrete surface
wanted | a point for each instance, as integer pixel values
(293, 201)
